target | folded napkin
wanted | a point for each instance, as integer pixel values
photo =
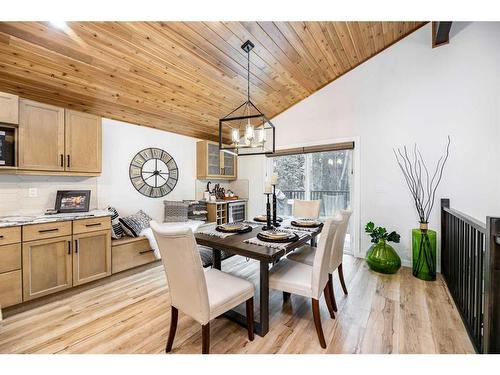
(302, 229)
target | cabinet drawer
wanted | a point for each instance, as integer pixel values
(131, 254)
(10, 288)
(10, 235)
(10, 257)
(91, 225)
(47, 230)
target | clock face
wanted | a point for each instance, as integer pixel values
(153, 172)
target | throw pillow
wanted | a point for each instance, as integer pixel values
(134, 224)
(175, 211)
(116, 228)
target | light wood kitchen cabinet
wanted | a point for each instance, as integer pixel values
(41, 136)
(10, 288)
(82, 142)
(9, 108)
(47, 266)
(211, 163)
(91, 256)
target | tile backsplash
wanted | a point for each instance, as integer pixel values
(15, 192)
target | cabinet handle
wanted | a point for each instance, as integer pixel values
(48, 230)
(145, 251)
(67, 163)
(69, 247)
(77, 246)
(1, 236)
(62, 160)
(93, 225)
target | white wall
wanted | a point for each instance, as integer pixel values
(413, 93)
(120, 143)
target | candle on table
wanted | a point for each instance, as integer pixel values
(274, 179)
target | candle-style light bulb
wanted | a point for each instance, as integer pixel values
(262, 135)
(235, 135)
(249, 133)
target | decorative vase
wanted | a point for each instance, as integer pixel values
(381, 257)
(424, 253)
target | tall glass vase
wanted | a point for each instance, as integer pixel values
(424, 253)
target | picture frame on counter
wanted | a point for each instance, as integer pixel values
(68, 201)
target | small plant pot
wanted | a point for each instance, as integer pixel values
(381, 257)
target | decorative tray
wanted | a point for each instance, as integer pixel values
(306, 223)
(231, 198)
(234, 228)
(277, 236)
(263, 219)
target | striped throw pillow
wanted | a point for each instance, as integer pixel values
(116, 228)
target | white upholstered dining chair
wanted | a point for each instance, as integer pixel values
(203, 295)
(306, 209)
(305, 254)
(308, 280)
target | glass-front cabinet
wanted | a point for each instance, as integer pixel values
(211, 163)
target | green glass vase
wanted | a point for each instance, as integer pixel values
(381, 257)
(424, 253)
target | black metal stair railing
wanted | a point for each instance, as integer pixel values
(470, 259)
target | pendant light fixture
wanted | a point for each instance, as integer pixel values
(246, 130)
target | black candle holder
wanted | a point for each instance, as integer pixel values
(275, 209)
(268, 225)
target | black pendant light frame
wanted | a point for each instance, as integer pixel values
(247, 107)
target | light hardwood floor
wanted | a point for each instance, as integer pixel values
(381, 314)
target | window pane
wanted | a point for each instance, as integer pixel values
(329, 180)
(291, 172)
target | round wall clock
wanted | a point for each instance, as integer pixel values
(153, 172)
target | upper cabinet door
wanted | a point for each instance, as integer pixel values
(229, 168)
(41, 136)
(83, 142)
(213, 160)
(9, 108)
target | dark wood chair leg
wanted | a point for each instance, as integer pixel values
(250, 318)
(286, 296)
(328, 300)
(317, 322)
(205, 339)
(332, 295)
(341, 277)
(173, 328)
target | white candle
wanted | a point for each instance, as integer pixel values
(274, 179)
(268, 188)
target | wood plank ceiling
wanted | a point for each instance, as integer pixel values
(183, 76)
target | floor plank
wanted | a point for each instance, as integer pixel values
(382, 314)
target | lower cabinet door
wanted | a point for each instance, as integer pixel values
(91, 256)
(46, 266)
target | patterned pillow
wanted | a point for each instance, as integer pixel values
(175, 211)
(134, 224)
(116, 228)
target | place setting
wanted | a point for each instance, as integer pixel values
(226, 230)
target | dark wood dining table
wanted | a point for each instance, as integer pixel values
(265, 255)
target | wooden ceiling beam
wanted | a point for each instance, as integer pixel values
(440, 33)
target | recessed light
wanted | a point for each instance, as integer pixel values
(59, 24)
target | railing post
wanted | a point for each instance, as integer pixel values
(491, 326)
(445, 203)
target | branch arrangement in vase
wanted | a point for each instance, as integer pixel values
(423, 186)
(421, 183)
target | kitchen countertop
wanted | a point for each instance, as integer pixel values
(17, 220)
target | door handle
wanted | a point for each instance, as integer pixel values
(67, 162)
(69, 247)
(62, 160)
(77, 246)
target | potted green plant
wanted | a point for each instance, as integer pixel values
(381, 257)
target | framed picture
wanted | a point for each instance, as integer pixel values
(72, 201)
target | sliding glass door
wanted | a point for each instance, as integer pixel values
(325, 176)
